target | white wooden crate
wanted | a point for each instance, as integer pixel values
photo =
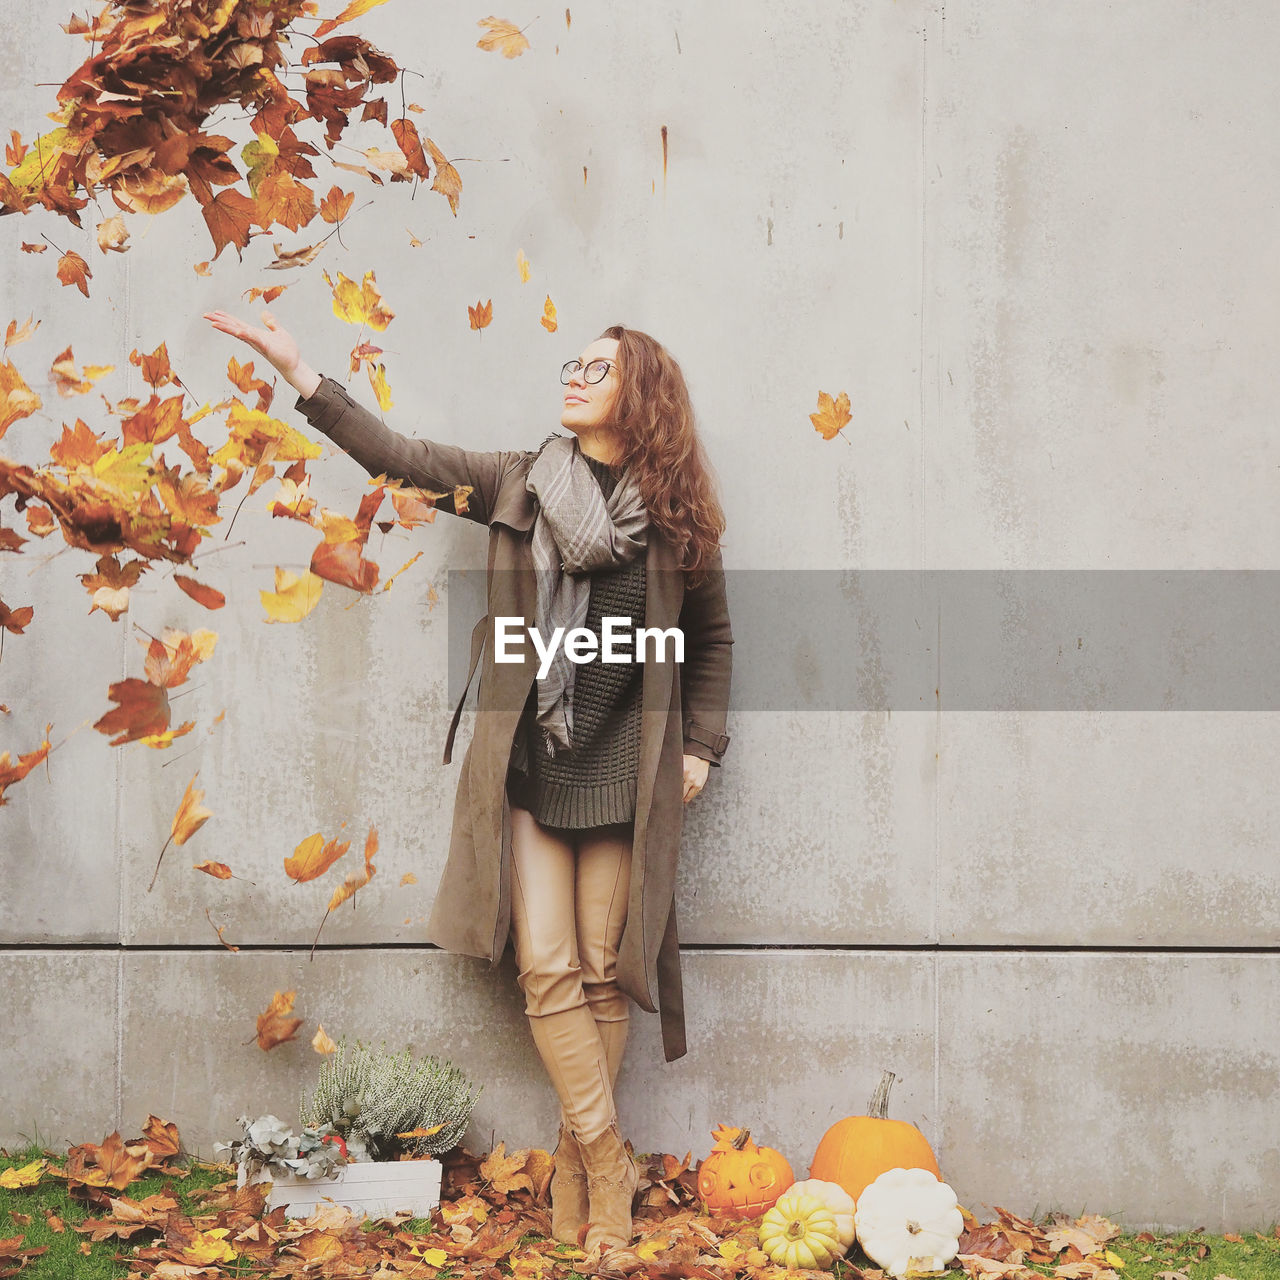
(374, 1188)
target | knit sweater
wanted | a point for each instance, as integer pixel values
(593, 783)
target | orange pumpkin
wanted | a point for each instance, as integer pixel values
(739, 1179)
(855, 1151)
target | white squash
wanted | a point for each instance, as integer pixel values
(836, 1198)
(907, 1220)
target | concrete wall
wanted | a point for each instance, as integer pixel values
(1036, 245)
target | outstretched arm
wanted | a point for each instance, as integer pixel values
(362, 434)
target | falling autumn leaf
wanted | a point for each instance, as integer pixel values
(321, 1041)
(359, 304)
(202, 269)
(201, 592)
(293, 598)
(14, 334)
(112, 234)
(17, 400)
(313, 857)
(832, 415)
(191, 815)
(414, 242)
(15, 619)
(481, 314)
(11, 772)
(502, 37)
(32, 248)
(405, 133)
(274, 1024)
(218, 930)
(219, 870)
(356, 9)
(336, 205)
(408, 878)
(448, 181)
(355, 880)
(378, 381)
(267, 295)
(522, 266)
(142, 712)
(73, 269)
(68, 382)
(548, 320)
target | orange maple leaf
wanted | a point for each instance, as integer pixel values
(504, 1172)
(336, 205)
(219, 870)
(355, 9)
(313, 857)
(502, 37)
(481, 314)
(228, 216)
(832, 415)
(201, 592)
(170, 659)
(405, 133)
(162, 1137)
(143, 711)
(155, 367)
(548, 320)
(73, 269)
(191, 815)
(355, 880)
(274, 1024)
(117, 1164)
(322, 1042)
(11, 772)
(17, 400)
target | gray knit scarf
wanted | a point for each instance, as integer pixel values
(574, 532)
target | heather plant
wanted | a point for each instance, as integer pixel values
(372, 1097)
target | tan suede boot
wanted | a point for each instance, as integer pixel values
(612, 1178)
(568, 1188)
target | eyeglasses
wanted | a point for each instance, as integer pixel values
(594, 372)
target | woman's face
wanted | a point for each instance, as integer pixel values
(590, 405)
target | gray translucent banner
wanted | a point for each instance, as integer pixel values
(982, 640)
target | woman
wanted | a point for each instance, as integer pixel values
(567, 820)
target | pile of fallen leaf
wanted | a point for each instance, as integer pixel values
(493, 1222)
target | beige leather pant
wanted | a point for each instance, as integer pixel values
(568, 907)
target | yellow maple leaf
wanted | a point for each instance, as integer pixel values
(432, 1257)
(378, 381)
(649, 1249)
(27, 1176)
(549, 321)
(832, 414)
(294, 596)
(322, 1042)
(502, 37)
(522, 265)
(359, 303)
(208, 1247)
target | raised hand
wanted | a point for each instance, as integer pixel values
(274, 342)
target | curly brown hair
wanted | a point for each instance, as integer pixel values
(661, 445)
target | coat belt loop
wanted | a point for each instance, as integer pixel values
(477, 645)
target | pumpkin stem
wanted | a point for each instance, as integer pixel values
(878, 1107)
(741, 1140)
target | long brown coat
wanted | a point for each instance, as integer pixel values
(472, 910)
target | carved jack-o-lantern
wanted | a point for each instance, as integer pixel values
(739, 1179)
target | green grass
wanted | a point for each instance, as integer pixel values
(64, 1259)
